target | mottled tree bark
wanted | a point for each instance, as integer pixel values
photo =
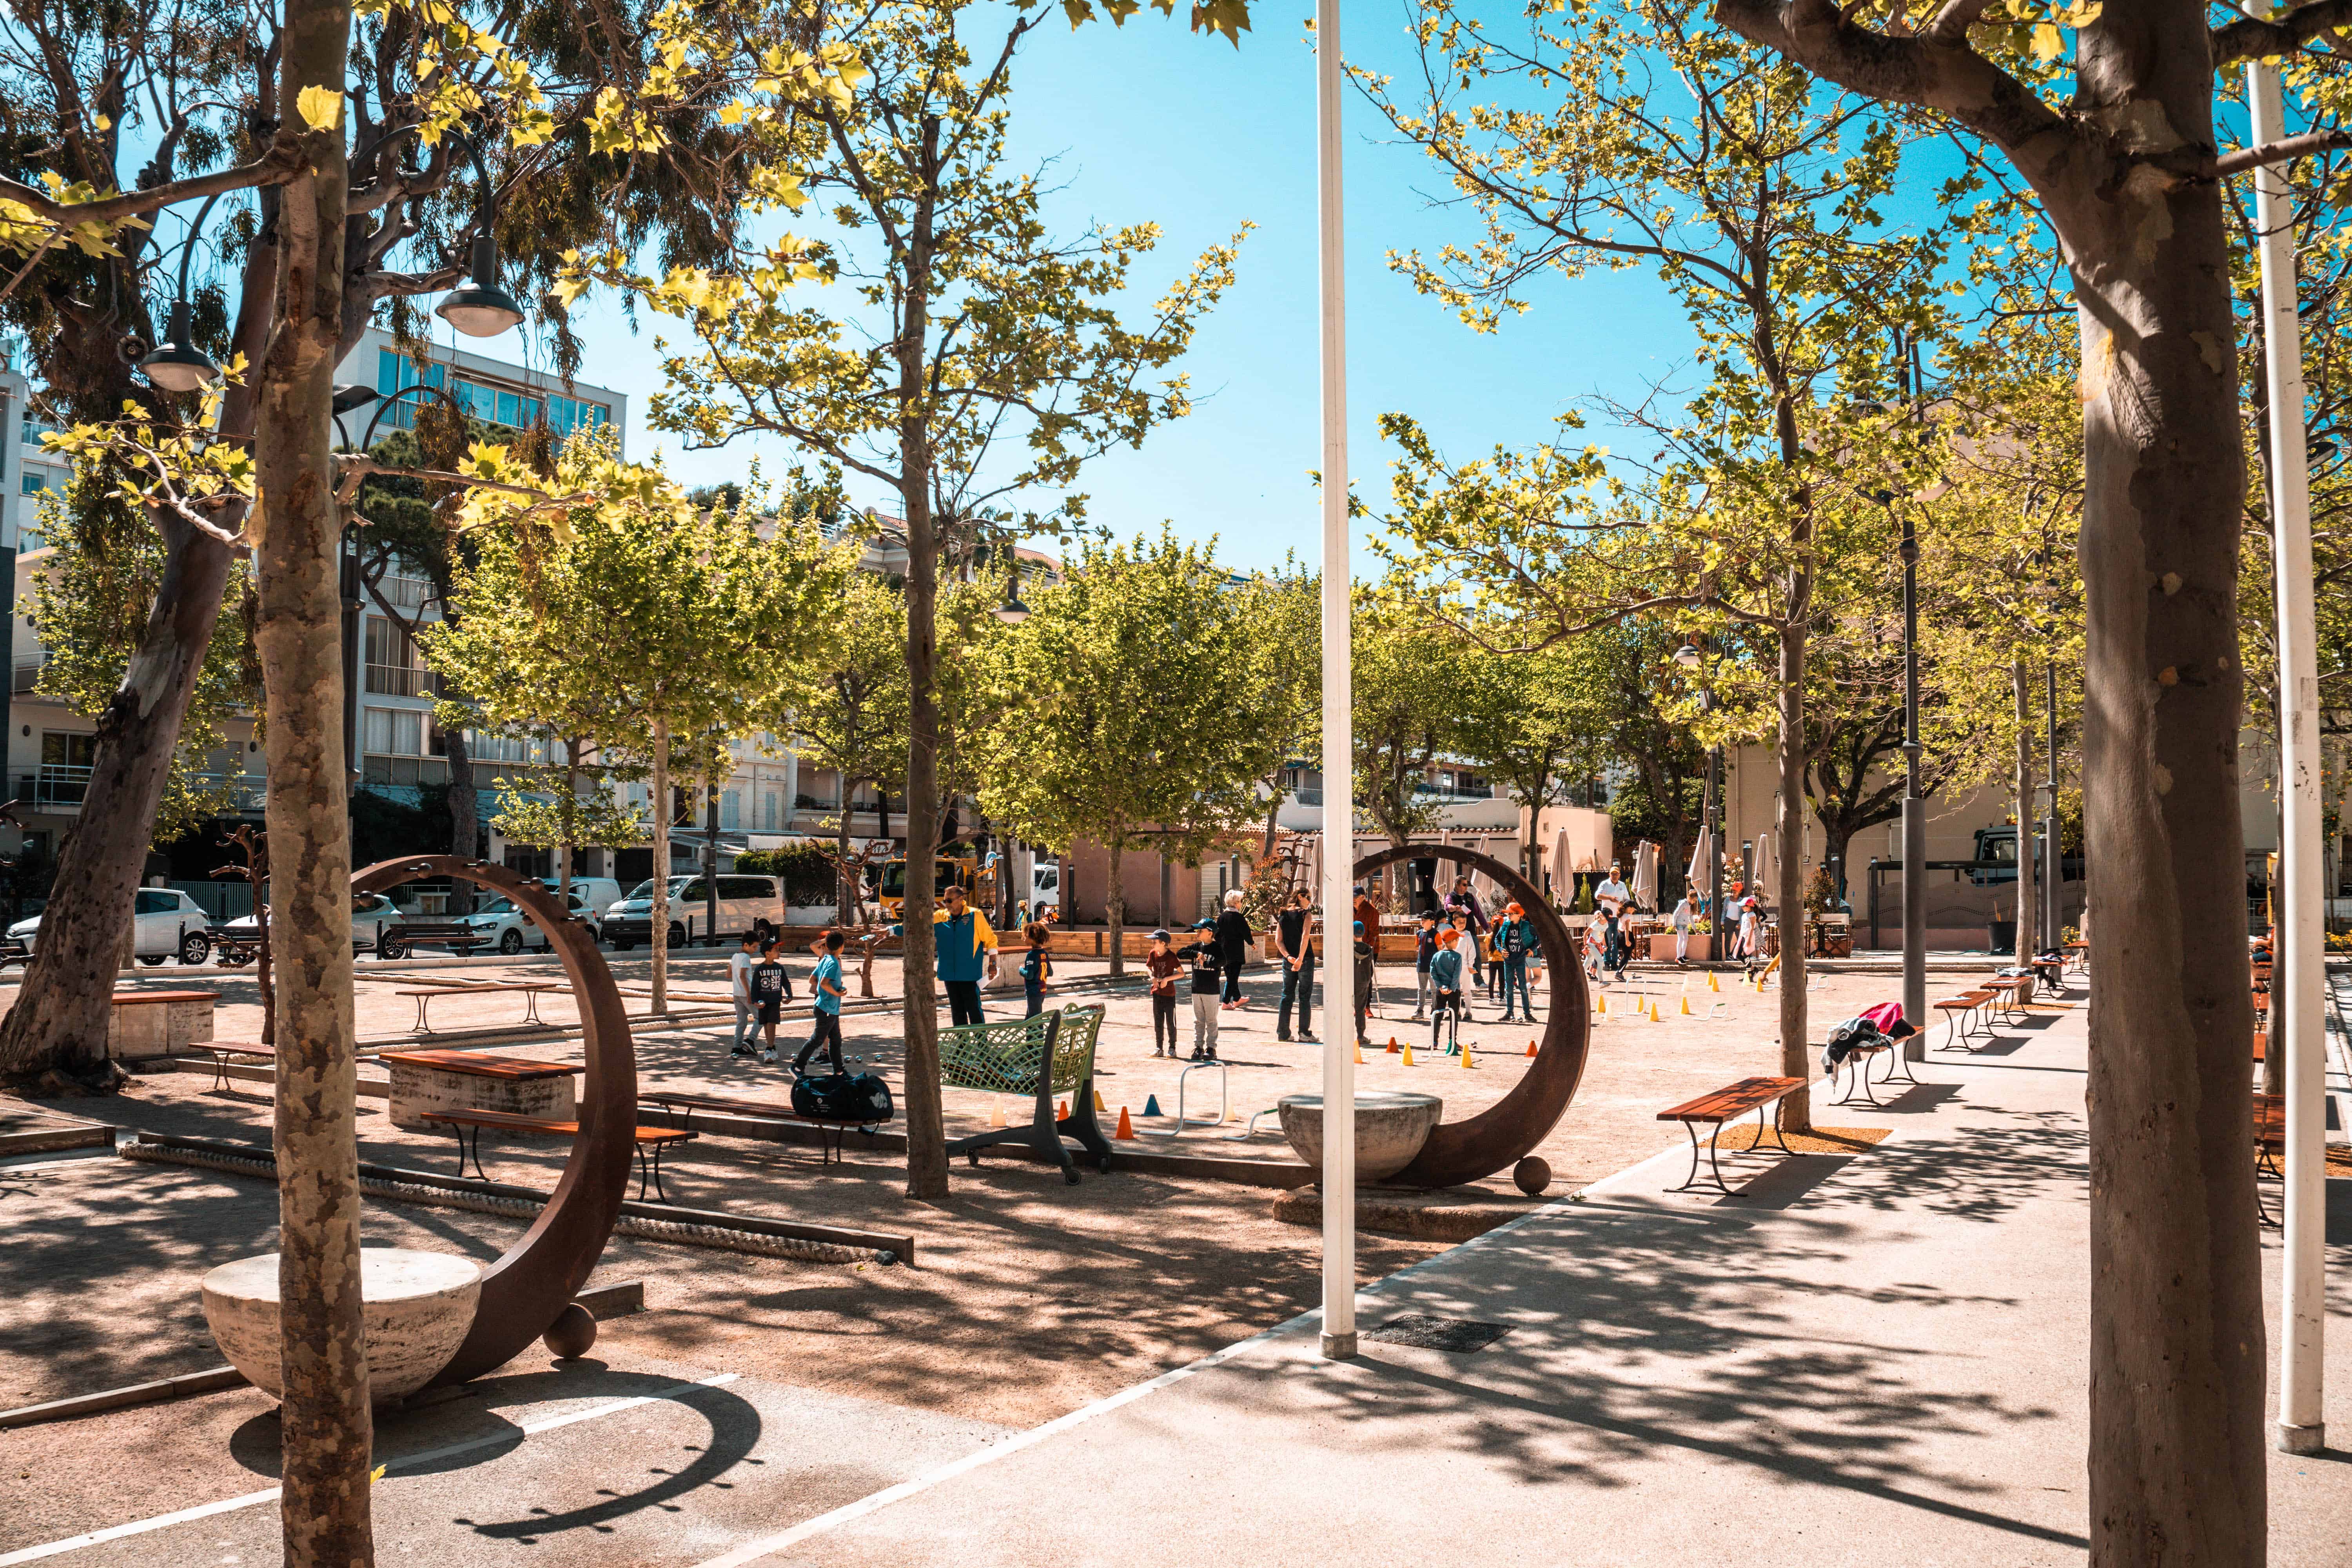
(322, 1345)
(1788, 885)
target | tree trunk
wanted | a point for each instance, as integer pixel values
(261, 965)
(570, 815)
(2025, 911)
(841, 907)
(1273, 816)
(2177, 1445)
(1115, 913)
(322, 1344)
(464, 816)
(657, 922)
(1796, 1053)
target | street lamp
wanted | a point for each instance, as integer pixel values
(1012, 612)
(177, 364)
(1710, 805)
(482, 309)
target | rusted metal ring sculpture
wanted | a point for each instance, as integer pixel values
(1498, 1137)
(525, 1292)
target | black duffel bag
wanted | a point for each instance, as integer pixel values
(842, 1096)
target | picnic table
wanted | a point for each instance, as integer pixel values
(533, 989)
(430, 1080)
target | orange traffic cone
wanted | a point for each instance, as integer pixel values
(1532, 1048)
(1062, 1110)
(1360, 1056)
(1392, 1042)
(1125, 1128)
(996, 1116)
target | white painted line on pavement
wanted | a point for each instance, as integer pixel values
(392, 1467)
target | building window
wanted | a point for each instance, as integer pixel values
(391, 732)
(770, 807)
(730, 810)
(395, 668)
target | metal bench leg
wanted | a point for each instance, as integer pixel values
(649, 1157)
(423, 1027)
(1895, 1050)
(1779, 1140)
(475, 1149)
(530, 1011)
(220, 1072)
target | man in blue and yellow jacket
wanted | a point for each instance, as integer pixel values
(966, 945)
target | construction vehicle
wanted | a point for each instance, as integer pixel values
(960, 866)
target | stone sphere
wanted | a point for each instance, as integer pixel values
(417, 1308)
(1391, 1127)
(1533, 1175)
(573, 1334)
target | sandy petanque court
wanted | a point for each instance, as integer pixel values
(1028, 1298)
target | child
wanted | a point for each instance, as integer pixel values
(739, 984)
(1445, 978)
(1162, 964)
(1364, 960)
(1036, 969)
(1613, 949)
(1685, 916)
(1424, 949)
(1208, 963)
(1515, 942)
(825, 987)
(771, 989)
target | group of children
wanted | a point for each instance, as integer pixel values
(1501, 960)
(760, 988)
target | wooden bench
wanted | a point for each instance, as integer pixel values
(1051, 1053)
(397, 941)
(222, 1050)
(531, 988)
(1960, 1012)
(1855, 1065)
(2011, 993)
(428, 1080)
(2270, 1148)
(650, 1142)
(1729, 1104)
(671, 1103)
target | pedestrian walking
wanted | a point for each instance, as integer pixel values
(1751, 929)
(1161, 964)
(966, 947)
(739, 987)
(1233, 939)
(1613, 949)
(1208, 974)
(1515, 942)
(1037, 968)
(825, 992)
(1294, 938)
(1368, 915)
(1446, 1004)
(1366, 957)
(1424, 949)
(1684, 917)
(772, 987)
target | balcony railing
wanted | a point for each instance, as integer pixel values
(58, 786)
(399, 680)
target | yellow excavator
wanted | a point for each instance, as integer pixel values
(958, 866)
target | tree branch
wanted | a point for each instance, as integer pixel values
(280, 163)
(2248, 38)
(2280, 152)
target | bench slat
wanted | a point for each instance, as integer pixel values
(1735, 1099)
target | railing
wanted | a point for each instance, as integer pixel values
(1307, 797)
(408, 593)
(58, 786)
(399, 680)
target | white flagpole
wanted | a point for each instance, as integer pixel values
(2298, 978)
(1339, 1340)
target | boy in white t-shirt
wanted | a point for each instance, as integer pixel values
(1685, 916)
(738, 986)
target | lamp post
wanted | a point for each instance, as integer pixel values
(2053, 876)
(176, 365)
(1710, 808)
(1339, 1336)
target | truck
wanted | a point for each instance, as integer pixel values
(1996, 858)
(949, 870)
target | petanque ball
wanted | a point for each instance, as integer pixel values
(574, 1333)
(1533, 1175)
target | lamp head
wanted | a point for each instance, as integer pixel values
(1012, 612)
(482, 309)
(351, 395)
(1688, 655)
(176, 365)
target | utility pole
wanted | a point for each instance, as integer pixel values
(1339, 1340)
(2296, 987)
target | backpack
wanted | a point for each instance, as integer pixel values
(842, 1096)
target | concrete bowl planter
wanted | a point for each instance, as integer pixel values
(1391, 1127)
(417, 1308)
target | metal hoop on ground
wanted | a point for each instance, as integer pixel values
(1499, 1136)
(525, 1292)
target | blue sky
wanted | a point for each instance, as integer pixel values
(1150, 122)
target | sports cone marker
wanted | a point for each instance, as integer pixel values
(1125, 1128)
(1654, 1014)
(1466, 1060)
(1408, 1055)
(1102, 1110)
(1360, 1056)
(1686, 1012)
(1062, 1111)
(1532, 1048)
(1152, 1106)
(1711, 984)
(1600, 1004)
(1393, 1043)
(996, 1116)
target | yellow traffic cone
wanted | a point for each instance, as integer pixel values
(1408, 1055)
(1600, 1004)
(1711, 984)
(1102, 1110)
(1466, 1059)
(1686, 1012)
(1654, 1014)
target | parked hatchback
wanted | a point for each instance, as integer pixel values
(371, 913)
(165, 923)
(501, 923)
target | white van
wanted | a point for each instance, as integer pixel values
(598, 893)
(754, 904)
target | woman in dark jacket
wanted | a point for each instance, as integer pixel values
(1234, 935)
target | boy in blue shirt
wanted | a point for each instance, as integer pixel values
(1445, 979)
(825, 987)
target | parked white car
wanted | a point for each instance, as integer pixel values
(371, 913)
(754, 904)
(501, 923)
(598, 893)
(165, 923)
